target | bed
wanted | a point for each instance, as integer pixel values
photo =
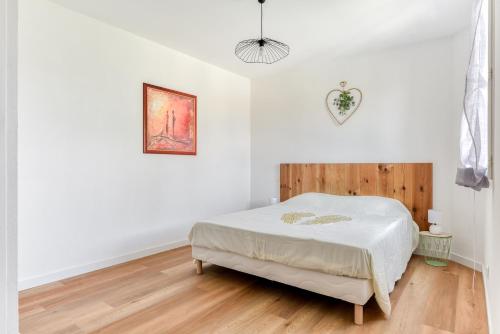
(342, 230)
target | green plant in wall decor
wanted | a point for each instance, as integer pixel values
(342, 103)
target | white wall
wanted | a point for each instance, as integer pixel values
(88, 196)
(8, 163)
(409, 113)
(492, 230)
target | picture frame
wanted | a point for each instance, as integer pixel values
(169, 121)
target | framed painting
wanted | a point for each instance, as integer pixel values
(169, 121)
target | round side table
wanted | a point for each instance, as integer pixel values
(435, 248)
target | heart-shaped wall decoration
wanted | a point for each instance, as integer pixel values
(342, 103)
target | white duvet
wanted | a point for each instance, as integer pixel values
(375, 244)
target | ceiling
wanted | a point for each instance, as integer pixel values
(209, 30)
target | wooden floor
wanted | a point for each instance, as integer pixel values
(162, 294)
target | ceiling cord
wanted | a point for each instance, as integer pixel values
(261, 17)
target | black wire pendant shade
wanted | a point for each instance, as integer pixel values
(261, 50)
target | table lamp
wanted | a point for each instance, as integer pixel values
(434, 218)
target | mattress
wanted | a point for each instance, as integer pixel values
(364, 237)
(353, 290)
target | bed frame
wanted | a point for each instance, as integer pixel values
(410, 183)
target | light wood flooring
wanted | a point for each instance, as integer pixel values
(163, 294)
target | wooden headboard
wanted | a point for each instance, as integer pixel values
(410, 183)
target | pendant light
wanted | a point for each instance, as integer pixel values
(261, 50)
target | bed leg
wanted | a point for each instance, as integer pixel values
(358, 314)
(199, 266)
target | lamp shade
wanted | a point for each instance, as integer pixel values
(261, 50)
(434, 216)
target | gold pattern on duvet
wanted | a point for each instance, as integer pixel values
(293, 217)
(328, 219)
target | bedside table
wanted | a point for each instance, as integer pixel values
(435, 248)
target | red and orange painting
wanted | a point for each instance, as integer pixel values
(169, 121)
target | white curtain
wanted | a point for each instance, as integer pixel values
(473, 166)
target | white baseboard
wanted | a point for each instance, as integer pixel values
(463, 260)
(86, 268)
